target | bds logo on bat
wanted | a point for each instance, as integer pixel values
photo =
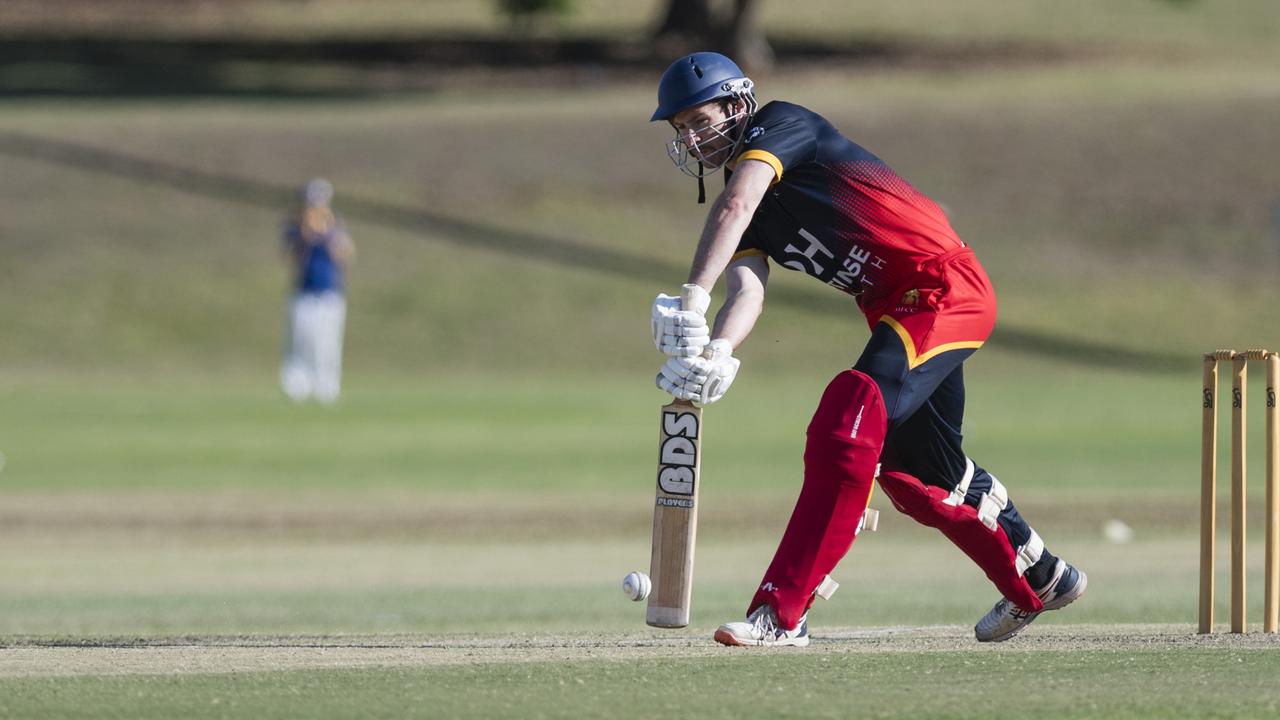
(678, 458)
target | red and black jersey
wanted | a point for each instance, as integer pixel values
(838, 212)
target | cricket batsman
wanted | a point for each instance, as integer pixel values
(800, 194)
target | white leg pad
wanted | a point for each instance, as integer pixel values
(827, 587)
(993, 502)
(1029, 554)
(957, 495)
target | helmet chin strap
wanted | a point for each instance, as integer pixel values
(702, 188)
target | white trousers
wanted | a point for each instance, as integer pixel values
(313, 357)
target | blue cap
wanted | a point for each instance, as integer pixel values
(696, 79)
(317, 191)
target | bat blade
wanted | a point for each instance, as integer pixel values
(675, 515)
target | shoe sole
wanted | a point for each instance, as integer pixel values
(1012, 633)
(1080, 588)
(724, 637)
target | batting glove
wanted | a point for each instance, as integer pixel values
(702, 380)
(680, 331)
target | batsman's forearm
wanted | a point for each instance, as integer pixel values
(738, 316)
(727, 221)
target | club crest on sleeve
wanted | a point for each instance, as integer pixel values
(754, 133)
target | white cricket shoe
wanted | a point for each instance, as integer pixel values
(1006, 619)
(761, 628)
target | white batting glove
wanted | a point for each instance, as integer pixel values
(680, 331)
(702, 380)
(674, 377)
(722, 368)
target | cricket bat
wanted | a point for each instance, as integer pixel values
(675, 512)
(675, 515)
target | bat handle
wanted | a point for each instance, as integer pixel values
(686, 296)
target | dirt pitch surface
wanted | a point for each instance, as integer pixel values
(190, 655)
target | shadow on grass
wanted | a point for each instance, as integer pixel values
(62, 65)
(72, 66)
(559, 251)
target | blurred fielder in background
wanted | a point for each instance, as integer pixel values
(319, 250)
(799, 193)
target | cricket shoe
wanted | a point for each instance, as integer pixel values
(1006, 619)
(761, 628)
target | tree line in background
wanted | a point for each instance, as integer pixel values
(728, 26)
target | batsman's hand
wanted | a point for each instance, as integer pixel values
(680, 331)
(702, 380)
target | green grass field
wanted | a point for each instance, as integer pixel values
(449, 540)
(431, 551)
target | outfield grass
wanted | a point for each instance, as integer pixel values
(1049, 425)
(203, 548)
(436, 507)
(1073, 183)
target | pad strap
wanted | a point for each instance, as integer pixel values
(870, 520)
(1029, 554)
(993, 502)
(962, 489)
(827, 587)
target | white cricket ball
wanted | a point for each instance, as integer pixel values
(1117, 532)
(636, 586)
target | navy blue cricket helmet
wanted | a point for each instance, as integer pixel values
(699, 78)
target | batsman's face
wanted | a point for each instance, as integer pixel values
(706, 132)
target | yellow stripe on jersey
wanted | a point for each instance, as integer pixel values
(913, 360)
(763, 156)
(749, 252)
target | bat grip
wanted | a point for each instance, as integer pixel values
(686, 296)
